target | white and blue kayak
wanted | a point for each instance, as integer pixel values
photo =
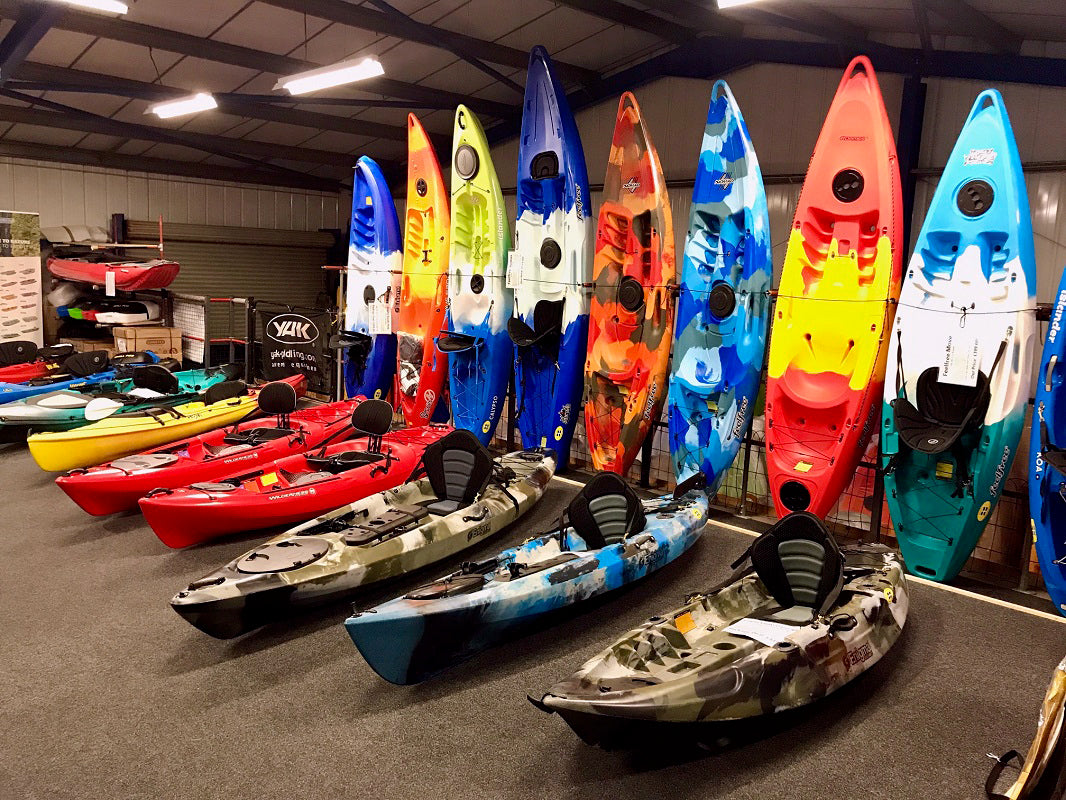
(552, 255)
(79, 371)
(723, 308)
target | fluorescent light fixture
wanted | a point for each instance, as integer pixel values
(111, 6)
(731, 3)
(356, 69)
(186, 105)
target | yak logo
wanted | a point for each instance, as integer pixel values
(292, 329)
(631, 185)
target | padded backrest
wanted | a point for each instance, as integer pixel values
(950, 403)
(56, 352)
(458, 466)
(277, 398)
(139, 357)
(606, 511)
(372, 417)
(17, 353)
(81, 365)
(224, 391)
(799, 562)
(156, 379)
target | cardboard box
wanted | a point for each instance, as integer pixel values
(164, 342)
(88, 345)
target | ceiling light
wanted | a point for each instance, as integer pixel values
(333, 75)
(730, 3)
(186, 105)
(111, 6)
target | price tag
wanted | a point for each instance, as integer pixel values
(761, 630)
(961, 360)
(380, 318)
(515, 265)
(109, 283)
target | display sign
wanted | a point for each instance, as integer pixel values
(293, 343)
(20, 277)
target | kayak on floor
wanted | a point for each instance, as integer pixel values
(77, 372)
(22, 361)
(960, 357)
(210, 457)
(223, 404)
(294, 488)
(609, 539)
(800, 621)
(465, 497)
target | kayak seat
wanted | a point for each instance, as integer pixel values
(224, 391)
(547, 326)
(19, 352)
(373, 419)
(225, 449)
(82, 365)
(134, 359)
(453, 342)
(605, 511)
(344, 461)
(1055, 458)
(944, 412)
(801, 566)
(55, 352)
(278, 399)
(301, 478)
(155, 378)
(255, 436)
(458, 468)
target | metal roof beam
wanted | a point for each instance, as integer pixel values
(631, 17)
(921, 19)
(968, 21)
(805, 18)
(32, 24)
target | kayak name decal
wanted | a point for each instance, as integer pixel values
(985, 156)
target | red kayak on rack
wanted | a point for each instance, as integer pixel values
(24, 361)
(295, 488)
(130, 276)
(118, 485)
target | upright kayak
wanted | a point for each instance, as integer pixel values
(1047, 458)
(370, 540)
(610, 539)
(420, 369)
(294, 488)
(22, 361)
(210, 457)
(960, 358)
(631, 317)
(372, 277)
(78, 372)
(835, 302)
(553, 238)
(479, 303)
(129, 276)
(149, 386)
(723, 308)
(222, 404)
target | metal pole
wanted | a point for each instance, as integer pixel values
(744, 480)
(249, 340)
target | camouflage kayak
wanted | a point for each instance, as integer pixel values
(381, 536)
(408, 639)
(803, 620)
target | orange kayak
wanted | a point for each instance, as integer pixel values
(837, 298)
(631, 316)
(421, 368)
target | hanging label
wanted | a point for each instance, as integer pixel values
(515, 265)
(762, 631)
(380, 318)
(109, 283)
(961, 360)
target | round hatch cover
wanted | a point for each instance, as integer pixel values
(421, 187)
(544, 165)
(284, 555)
(477, 284)
(466, 162)
(794, 496)
(630, 293)
(975, 198)
(550, 253)
(722, 300)
(848, 185)
(370, 295)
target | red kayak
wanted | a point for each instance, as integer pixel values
(130, 276)
(295, 488)
(118, 485)
(24, 361)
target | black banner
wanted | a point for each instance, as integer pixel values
(294, 343)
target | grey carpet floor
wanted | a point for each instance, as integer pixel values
(106, 692)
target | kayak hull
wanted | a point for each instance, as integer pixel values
(129, 277)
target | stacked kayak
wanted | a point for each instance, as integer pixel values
(610, 540)
(149, 386)
(109, 311)
(632, 312)
(479, 303)
(209, 457)
(222, 404)
(381, 536)
(553, 237)
(961, 351)
(839, 284)
(24, 361)
(294, 488)
(723, 308)
(78, 371)
(128, 276)
(803, 619)
(420, 369)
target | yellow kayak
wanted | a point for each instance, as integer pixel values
(125, 434)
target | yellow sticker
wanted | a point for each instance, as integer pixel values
(890, 594)
(543, 441)
(697, 513)
(982, 512)
(945, 470)
(684, 622)
(559, 434)
(803, 466)
(269, 478)
(377, 394)
(485, 427)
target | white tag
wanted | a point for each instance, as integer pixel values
(768, 633)
(109, 283)
(515, 265)
(961, 360)
(380, 318)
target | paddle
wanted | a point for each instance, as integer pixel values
(101, 407)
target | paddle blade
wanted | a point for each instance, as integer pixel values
(101, 407)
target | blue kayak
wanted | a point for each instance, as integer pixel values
(723, 308)
(80, 371)
(611, 539)
(375, 259)
(1047, 458)
(552, 253)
